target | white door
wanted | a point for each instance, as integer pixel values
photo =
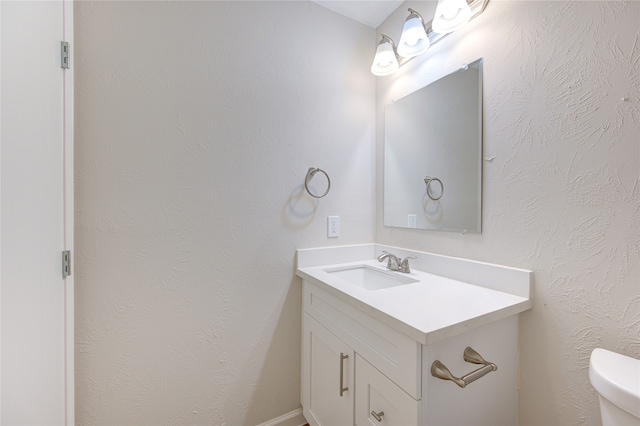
(36, 214)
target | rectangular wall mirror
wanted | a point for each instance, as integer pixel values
(433, 155)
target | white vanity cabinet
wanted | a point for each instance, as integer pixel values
(337, 381)
(331, 330)
(385, 376)
(371, 338)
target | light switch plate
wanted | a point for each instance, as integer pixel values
(333, 226)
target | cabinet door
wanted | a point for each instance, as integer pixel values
(379, 401)
(329, 381)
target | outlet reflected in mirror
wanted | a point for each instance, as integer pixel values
(433, 155)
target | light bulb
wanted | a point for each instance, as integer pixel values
(450, 15)
(449, 11)
(413, 40)
(385, 61)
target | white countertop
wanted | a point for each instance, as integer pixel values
(433, 309)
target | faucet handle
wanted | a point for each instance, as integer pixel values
(383, 256)
(404, 265)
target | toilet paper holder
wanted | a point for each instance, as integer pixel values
(440, 371)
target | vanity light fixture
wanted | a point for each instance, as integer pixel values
(450, 15)
(417, 35)
(386, 60)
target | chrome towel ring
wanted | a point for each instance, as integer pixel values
(310, 174)
(428, 181)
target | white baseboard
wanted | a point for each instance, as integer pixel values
(292, 418)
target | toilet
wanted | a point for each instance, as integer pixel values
(616, 378)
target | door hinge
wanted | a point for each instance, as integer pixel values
(64, 54)
(66, 263)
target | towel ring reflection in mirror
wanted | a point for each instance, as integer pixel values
(428, 181)
(312, 171)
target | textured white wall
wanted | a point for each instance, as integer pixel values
(561, 181)
(196, 124)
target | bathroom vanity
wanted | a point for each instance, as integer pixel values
(371, 338)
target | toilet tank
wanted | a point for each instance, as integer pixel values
(616, 378)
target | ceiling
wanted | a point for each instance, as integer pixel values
(369, 12)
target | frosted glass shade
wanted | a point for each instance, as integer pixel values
(413, 40)
(385, 61)
(450, 16)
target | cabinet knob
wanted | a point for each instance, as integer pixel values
(377, 416)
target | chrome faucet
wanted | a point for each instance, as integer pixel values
(394, 263)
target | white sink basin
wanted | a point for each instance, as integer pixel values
(370, 278)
